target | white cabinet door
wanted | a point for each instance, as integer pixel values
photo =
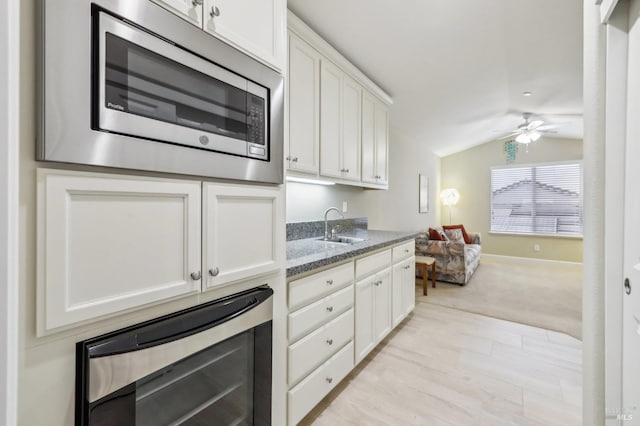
(351, 126)
(109, 243)
(375, 140)
(403, 295)
(409, 285)
(304, 104)
(368, 138)
(398, 293)
(241, 232)
(330, 120)
(382, 307)
(256, 26)
(364, 329)
(186, 9)
(382, 143)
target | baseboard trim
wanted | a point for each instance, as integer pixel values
(530, 260)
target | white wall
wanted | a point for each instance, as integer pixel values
(394, 209)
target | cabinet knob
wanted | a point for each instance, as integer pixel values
(329, 342)
(346, 170)
(214, 10)
(214, 271)
(329, 379)
(196, 276)
(407, 267)
(294, 159)
(288, 158)
(406, 250)
(329, 282)
(197, 2)
(330, 308)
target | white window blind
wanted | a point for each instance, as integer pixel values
(540, 199)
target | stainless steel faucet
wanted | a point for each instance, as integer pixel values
(326, 223)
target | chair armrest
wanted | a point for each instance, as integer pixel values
(476, 237)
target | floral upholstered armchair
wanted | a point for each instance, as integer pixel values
(456, 259)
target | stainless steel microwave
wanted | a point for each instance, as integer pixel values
(127, 84)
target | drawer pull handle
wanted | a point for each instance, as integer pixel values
(196, 276)
(330, 342)
(406, 250)
(214, 271)
(329, 379)
(407, 267)
(329, 282)
(330, 308)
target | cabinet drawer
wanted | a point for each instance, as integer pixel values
(373, 263)
(318, 384)
(310, 317)
(315, 348)
(308, 289)
(403, 251)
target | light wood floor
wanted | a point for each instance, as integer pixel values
(442, 366)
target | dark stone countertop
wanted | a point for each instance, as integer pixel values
(309, 253)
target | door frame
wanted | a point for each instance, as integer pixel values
(9, 202)
(614, 18)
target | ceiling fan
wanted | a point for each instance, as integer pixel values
(531, 131)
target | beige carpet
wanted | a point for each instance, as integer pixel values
(542, 295)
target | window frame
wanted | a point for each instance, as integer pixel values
(533, 165)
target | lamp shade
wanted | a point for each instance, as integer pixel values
(450, 196)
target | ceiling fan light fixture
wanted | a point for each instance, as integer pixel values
(523, 138)
(534, 135)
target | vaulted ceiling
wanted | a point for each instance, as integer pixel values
(456, 69)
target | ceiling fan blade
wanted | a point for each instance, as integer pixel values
(551, 126)
(535, 124)
(547, 131)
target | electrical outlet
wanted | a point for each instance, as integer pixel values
(344, 207)
(536, 247)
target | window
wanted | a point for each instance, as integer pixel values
(540, 199)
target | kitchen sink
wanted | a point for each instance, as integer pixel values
(341, 240)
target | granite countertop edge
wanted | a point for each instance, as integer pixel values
(296, 265)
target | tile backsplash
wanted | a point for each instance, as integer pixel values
(356, 227)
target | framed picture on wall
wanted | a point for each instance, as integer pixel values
(423, 194)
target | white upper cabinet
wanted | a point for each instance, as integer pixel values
(351, 127)
(375, 140)
(330, 120)
(348, 114)
(255, 26)
(191, 10)
(241, 232)
(110, 243)
(340, 124)
(304, 104)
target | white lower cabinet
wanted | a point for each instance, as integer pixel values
(403, 293)
(312, 350)
(373, 312)
(333, 323)
(303, 397)
(320, 323)
(109, 243)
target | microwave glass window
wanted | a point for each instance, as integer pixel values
(141, 82)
